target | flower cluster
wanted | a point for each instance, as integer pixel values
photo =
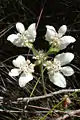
(56, 67)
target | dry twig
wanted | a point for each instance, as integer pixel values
(69, 113)
(48, 95)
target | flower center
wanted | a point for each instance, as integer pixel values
(27, 67)
(55, 42)
(54, 66)
(23, 36)
(26, 39)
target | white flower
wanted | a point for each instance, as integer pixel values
(57, 39)
(24, 37)
(56, 69)
(23, 67)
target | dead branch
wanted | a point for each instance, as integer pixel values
(43, 96)
(69, 113)
(47, 95)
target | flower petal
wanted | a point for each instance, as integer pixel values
(62, 30)
(14, 72)
(58, 79)
(20, 27)
(65, 58)
(31, 31)
(50, 28)
(12, 38)
(19, 61)
(67, 71)
(25, 78)
(65, 41)
(51, 32)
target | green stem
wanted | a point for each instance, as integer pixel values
(53, 50)
(42, 76)
(34, 51)
(43, 118)
(34, 87)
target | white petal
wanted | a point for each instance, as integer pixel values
(67, 71)
(14, 72)
(12, 38)
(58, 79)
(65, 58)
(65, 41)
(19, 61)
(62, 30)
(32, 30)
(51, 32)
(25, 79)
(50, 28)
(20, 27)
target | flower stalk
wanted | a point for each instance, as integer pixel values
(42, 77)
